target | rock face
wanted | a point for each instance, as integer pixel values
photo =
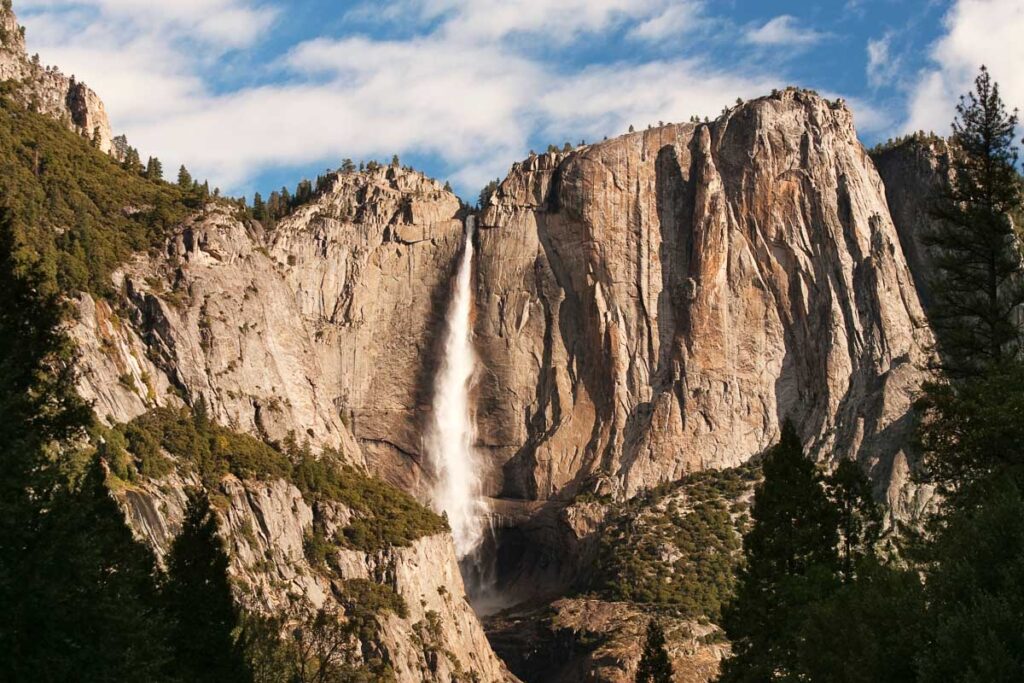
(323, 328)
(913, 172)
(645, 307)
(48, 91)
(659, 303)
(264, 524)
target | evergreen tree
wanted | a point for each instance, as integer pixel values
(869, 630)
(655, 666)
(154, 169)
(791, 561)
(132, 162)
(77, 593)
(303, 193)
(860, 517)
(395, 163)
(199, 598)
(972, 433)
(259, 209)
(978, 290)
(974, 587)
(485, 194)
(347, 166)
(184, 179)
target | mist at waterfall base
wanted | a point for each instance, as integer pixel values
(451, 433)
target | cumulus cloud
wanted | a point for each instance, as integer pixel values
(470, 84)
(784, 30)
(675, 20)
(883, 66)
(976, 32)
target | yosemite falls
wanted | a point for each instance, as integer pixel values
(452, 431)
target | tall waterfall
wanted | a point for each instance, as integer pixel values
(452, 430)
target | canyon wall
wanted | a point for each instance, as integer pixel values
(659, 303)
(645, 307)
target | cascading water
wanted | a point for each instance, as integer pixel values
(452, 429)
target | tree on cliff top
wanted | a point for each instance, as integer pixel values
(978, 287)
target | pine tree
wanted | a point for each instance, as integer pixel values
(395, 163)
(655, 666)
(154, 169)
(132, 162)
(199, 599)
(860, 517)
(978, 289)
(184, 179)
(347, 166)
(791, 561)
(259, 209)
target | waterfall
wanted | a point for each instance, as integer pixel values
(452, 430)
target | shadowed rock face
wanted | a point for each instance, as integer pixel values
(914, 172)
(659, 303)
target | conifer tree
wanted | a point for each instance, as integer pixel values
(154, 169)
(655, 666)
(259, 209)
(184, 179)
(978, 289)
(859, 516)
(199, 598)
(791, 561)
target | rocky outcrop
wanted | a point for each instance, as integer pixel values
(914, 171)
(582, 639)
(323, 328)
(46, 90)
(264, 525)
(659, 303)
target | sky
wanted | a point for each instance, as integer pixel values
(256, 94)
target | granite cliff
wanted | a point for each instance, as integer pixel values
(46, 90)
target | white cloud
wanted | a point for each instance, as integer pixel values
(229, 23)
(473, 85)
(977, 32)
(675, 20)
(784, 30)
(883, 66)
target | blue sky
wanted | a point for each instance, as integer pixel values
(255, 94)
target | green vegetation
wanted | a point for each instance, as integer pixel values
(978, 289)
(675, 546)
(82, 213)
(383, 515)
(787, 566)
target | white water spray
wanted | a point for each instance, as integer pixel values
(452, 430)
